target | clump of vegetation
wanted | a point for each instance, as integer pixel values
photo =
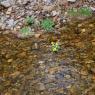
(30, 20)
(47, 24)
(72, 12)
(26, 31)
(55, 46)
(83, 11)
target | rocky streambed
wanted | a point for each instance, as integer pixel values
(29, 67)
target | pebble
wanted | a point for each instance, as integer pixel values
(15, 74)
(11, 23)
(41, 62)
(9, 60)
(67, 76)
(91, 25)
(51, 77)
(41, 86)
(7, 56)
(59, 76)
(22, 54)
(84, 72)
(5, 4)
(2, 26)
(55, 13)
(71, 0)
(93, 42)
(79, 25)
(61, 91)
(9, 11)
(93, 8)
(83, 30)
(93, 70)
(7, 93)
(1, 79)
(42, 66)
(35, 46)
(23, 2)
(80, 44)
(18, 27)
(48, 8)
(93, 77)
(37, 35)
(48, 1)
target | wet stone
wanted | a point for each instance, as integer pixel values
(93, 70)
(41, 86)
(35, 46)
(9, 60)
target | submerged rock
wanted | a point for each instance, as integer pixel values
(41, 86)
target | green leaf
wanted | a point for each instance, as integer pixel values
(72, 12)
(25, 29)
(29, 20)
(85, 11)
(47, 24)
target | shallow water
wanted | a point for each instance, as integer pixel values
(26, 70)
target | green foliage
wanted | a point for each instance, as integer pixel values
(47, 24)
(83, 11)
(86, 11)
(72, 12)
(25, 30)
(55, 47)
(29, 20)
